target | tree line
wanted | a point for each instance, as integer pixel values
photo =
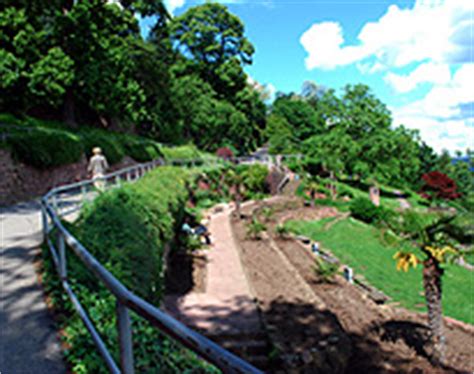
(88, 62)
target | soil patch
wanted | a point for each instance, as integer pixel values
(366, 337)
(186, 272)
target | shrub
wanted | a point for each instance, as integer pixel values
(439, 185)
(254, 229)
(282, 231)
(184, 152)
(224, 153)
(326, 270)
(45, 149)
(254, 177)
(128, 228)
(142, 150)
(110, 144)
(364, 210)
(343, 191)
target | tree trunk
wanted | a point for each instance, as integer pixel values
(432, 284)
(333, 185)
(312, 196)
(69, 107)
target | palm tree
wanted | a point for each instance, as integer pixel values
(433, 241)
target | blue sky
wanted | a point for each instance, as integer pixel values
(416, 55)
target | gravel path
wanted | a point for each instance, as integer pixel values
(28, 339)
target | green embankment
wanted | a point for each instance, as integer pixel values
(126, 229)
(45, 144)
(360, 246)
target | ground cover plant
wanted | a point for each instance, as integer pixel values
(362, 247)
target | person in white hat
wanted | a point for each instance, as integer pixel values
(97, 167)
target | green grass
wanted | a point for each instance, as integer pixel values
(361, 247)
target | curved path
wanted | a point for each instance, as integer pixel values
(28, 338)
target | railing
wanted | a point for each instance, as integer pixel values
(59, 202)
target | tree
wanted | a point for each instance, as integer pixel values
(434, 243)
(213, 38)
(299, 114)
(440, 186)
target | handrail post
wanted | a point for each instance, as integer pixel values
(83, 193)
(124, 327)
(44, 218)
(55, 203)
(62, 256)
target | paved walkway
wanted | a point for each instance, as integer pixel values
(28, 339)
(227, 305)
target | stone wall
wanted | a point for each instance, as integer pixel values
(20, 182)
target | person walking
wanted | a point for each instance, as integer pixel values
(97, 167)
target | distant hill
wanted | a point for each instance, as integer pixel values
(455, 160)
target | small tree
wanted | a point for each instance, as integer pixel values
(431, 238)
(439, 185)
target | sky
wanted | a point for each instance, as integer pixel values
(416, 55)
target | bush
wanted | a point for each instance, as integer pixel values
(142, 150)
(110, 144)
(439, 185)
(254, 177)
(45, 149)
(128, 228)
(364, 210)
(184, 152)
(254, 229)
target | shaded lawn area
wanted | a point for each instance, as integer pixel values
(360, 246)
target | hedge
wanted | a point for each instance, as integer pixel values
(126, 229)
(44, 149)
(111, 146)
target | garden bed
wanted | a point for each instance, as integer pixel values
(369, 337)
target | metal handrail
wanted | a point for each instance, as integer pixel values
(127, 300)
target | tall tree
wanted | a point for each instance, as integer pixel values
(214, 40)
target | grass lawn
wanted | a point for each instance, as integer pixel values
(360, 246)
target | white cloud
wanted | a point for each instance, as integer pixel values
(436, 31)
(445, 116)
(172, 5)
(425, 73)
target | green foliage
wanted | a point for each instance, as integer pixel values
(127, 228)
(254, 177)
(111, 146)
(255, 229)
(282, 231)
(152, 350)
(45, 149)
(214, 39)
(363, 209)
(50, 76)
(185, 152)
(326, 270)
(142, 151)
